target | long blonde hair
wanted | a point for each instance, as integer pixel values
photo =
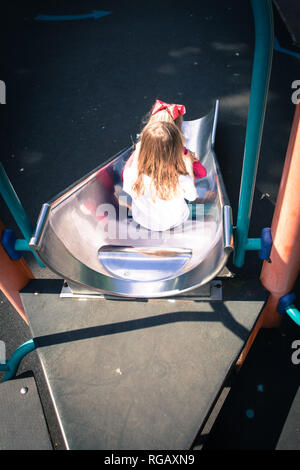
(163, 116)
(161, 158)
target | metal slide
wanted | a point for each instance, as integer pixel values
(87, 236)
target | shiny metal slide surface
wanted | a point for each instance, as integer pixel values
(87, 236)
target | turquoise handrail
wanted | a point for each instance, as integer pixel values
(14, 204)
(17, 210)
(11, 366)
(264, 39)
(293, 313)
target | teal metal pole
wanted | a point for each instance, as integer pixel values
(22, 245)
(264, 38)
(13, 202)
(253, 244)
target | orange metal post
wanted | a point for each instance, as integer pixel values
(14, 275)
(279, 276)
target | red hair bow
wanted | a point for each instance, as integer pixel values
(174, 109)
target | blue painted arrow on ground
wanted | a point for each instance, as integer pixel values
(95, 14)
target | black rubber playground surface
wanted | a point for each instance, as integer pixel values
(76, 92)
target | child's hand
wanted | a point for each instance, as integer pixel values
(210, 197)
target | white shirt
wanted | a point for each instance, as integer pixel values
(159, 214)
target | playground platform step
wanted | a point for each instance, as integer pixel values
(132, 375)
(23, 426)
(290, 436)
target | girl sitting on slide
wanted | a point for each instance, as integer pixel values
(164, 112)
(160, 178)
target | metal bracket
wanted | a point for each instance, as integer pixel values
(208, 292)
(266, 244)
(8, 241)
